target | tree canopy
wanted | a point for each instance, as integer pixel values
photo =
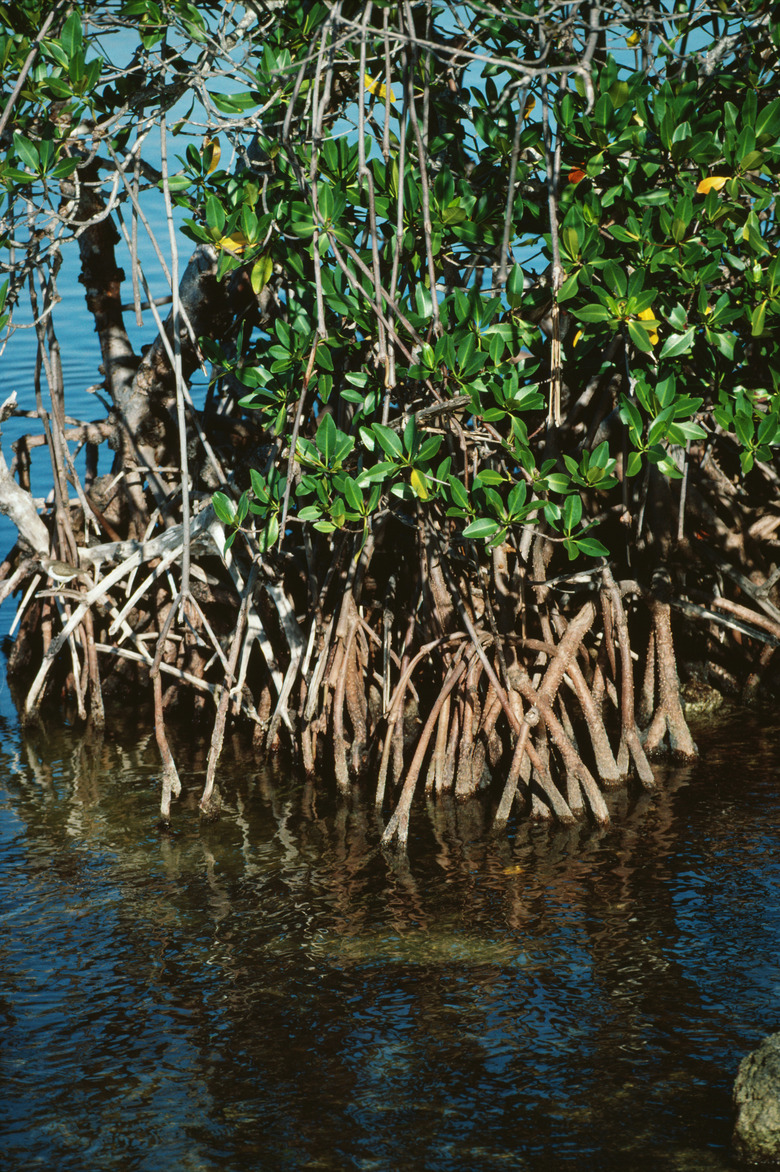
(479, 291)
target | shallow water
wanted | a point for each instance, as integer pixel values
(271, 991)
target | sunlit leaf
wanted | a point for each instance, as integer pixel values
(757, 319)
(261, 273)
(649, 315)
(223, 507)
(678, 344)
(482, 527)
(712, 183)
(377, 88)
(212, 152)
(236, 242)
(419, 482)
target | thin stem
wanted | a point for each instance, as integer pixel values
(177, 369)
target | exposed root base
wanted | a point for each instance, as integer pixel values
(480, 690)
(210, 808)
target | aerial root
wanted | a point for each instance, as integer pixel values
(398, 826)
(171, 785)
(554, 717)
(545, 721)
(669, 717)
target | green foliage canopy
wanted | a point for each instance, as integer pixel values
(418, 187)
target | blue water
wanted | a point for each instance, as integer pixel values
(272, 992)
(78, 341)
(79, 351)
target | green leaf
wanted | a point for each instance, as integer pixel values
(690, 430)
(678, 344)
(215, 215)
(619, 93)
(515, 286)
(262, 271)
(27, 152)
(178, 182)
(223, 507)
(568, 288)
(632, 417)
(353, 494)
(489, 476)
(622, 234)
(657, 197)
(768, 121)
(327, 438)
(482, 527)
(615, 279)
(517, 498)
(639, 336)
(634, 464)
(63, 168)
(677, 318)
(724, 342)
(594, 313)
(558, 482)
(459, 493)
(757, 320)
(572, 511)
(745, 429)
(233, 103)
(72, 37)
(389, 441)
(259, 486)
(592, 547)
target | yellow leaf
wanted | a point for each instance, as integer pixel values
(216, 151)
(576, 338)
(649, 315)
(634, 39)
(713, 183)
(420, 484)
(375, 87)
(236, 242)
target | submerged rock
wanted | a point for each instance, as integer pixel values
(424, 947)
(699, 699)
(756, 1138)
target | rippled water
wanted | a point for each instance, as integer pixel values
(271, 991)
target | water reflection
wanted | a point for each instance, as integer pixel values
(271, 991)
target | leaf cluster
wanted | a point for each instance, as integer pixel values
(428, 194)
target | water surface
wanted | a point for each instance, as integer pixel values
(271, 991)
